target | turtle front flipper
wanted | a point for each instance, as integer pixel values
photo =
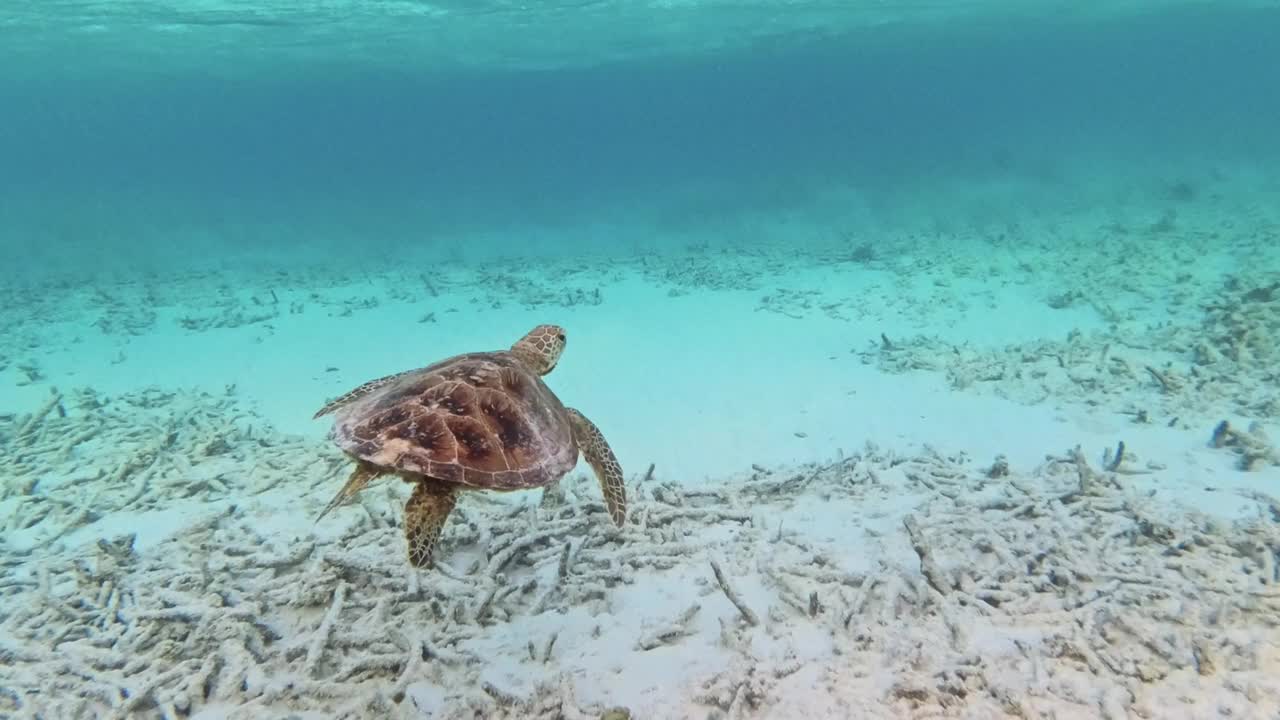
(358, 393)
(604, 463)
(424, 516)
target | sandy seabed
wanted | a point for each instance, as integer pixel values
(901, 479)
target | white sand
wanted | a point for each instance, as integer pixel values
(1150, 594)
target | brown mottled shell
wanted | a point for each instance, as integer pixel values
(480, 419)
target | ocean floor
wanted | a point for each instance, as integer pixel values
(1021, 469)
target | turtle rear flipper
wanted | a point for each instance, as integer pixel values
(359, 479)
(424, 516)
(603, 462)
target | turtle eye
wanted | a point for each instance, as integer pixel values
(560, 337)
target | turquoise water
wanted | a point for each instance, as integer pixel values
(113, 155)
(937, 344)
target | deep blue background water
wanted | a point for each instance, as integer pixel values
(370, 158)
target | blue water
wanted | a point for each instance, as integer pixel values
(1051, 233)
(374, 157)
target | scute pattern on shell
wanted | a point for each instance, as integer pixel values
(479, 419)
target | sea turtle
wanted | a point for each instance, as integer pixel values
(476, 421)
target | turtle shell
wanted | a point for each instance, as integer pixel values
(481, 419)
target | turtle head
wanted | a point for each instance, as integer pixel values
(540, 349)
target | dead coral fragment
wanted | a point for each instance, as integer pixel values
(1253, 447)
(1244, 325)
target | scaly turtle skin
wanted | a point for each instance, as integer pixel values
(477, 421)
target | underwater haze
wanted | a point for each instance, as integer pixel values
(117, 151)
(933, 350)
